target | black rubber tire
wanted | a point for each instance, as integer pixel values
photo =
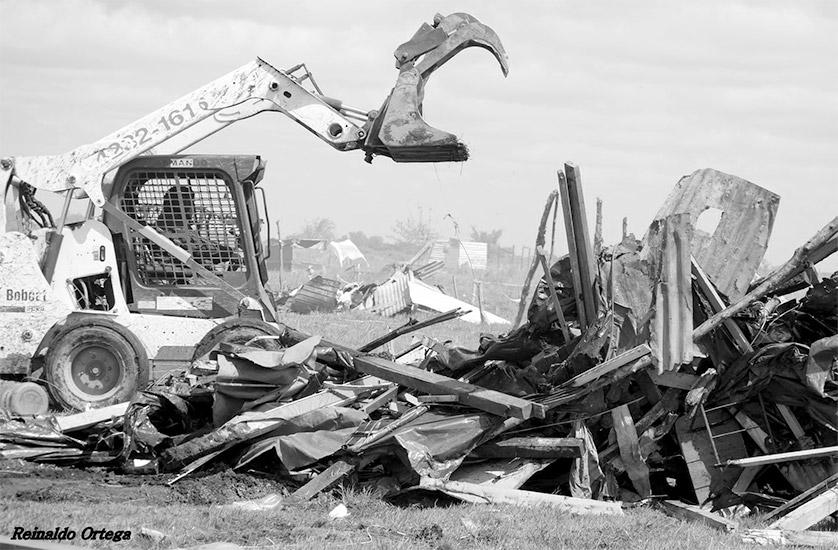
(239, 331)
(93, 366)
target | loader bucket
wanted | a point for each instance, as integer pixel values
(398, 130)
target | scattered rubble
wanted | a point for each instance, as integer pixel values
(651, 369)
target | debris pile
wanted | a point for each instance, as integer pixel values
(656, 368)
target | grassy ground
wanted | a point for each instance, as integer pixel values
(189, 515)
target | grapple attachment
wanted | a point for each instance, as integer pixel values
(398, 130)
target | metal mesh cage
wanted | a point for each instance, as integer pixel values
(196, 210)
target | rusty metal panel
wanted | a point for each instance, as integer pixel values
(392, 296)
(319, 294)
(731, 253)
(672, 343)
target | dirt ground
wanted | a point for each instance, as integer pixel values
(27, 481)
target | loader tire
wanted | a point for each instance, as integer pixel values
(239, 331)
(92, 365)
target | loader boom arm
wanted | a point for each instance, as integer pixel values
(249, 90)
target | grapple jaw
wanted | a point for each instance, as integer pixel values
(398, 129)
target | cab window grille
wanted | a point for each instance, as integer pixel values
(196, 210)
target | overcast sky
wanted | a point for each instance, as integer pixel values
(636, 93)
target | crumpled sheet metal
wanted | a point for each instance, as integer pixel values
(436, 444)
(307, 438)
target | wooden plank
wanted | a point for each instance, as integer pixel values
(326, 479)
(782, 457)
(668, 404)
(86, 419)
(483, 399)
(698, 453)
(636, 467)
(745, 479)
(498, 495)
(674, 379)
(801, 498)
(572, 252)
(531, 447)
(814, 539)
(791, 420)
(378, 402)
(693, 513)
(757, 434)
(438, 399)
(809, 513)
(510, 474)
(608, 366)
(582, 238)
(551, 286)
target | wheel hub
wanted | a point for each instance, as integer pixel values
(96, 370)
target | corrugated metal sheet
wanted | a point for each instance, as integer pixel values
(319, 294)
(477, 253)
(732, 254)
(459, 253)
(391, 296)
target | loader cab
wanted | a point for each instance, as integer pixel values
(205, 205)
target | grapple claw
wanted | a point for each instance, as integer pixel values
(399, 131)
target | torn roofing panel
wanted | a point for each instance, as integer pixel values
(390, 297)
(730, 252)
(318, 294)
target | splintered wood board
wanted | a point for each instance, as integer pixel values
(698, 452)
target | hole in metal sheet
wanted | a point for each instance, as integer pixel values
(709, 220)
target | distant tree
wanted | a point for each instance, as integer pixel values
(318, 228)
(376, 242)
(414, 230)
(359, 238)
(492, 238)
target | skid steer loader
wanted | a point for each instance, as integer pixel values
(169, 260)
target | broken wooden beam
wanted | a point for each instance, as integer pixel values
(86, 419)
(471, 492)
(801, 498)
(743, 345)
(325, 479)
(551, 285)
(693, 513)
(809, 513)
(674, 379)
(782, 457)
(627, 439)
(610, 365)
(540, 239)
(531, 447)
(667, 404)
(490, 401)
(582, 260)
